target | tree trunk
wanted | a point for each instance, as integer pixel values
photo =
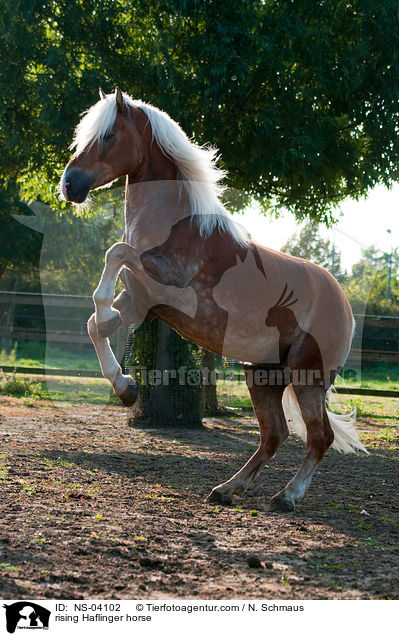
(210, 396)
(169, 376)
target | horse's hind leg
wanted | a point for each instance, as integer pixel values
(320, 436)
(266, 401)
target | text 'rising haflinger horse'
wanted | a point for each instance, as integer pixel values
(184, 261)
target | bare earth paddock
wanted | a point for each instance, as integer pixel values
(93, 508)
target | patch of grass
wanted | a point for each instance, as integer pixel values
(335, 506)
(19, 386)
(387, 434)
(3, 468)
(236, 396)
(365, 525)
(30, 401)
(325, 564)
(10, 568)
(27, 488)
(39, 538)
(374, 375)
(57, 388)
(383, 410)
(231, 394)
(33, 353)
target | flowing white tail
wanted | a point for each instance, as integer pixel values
(346, 437)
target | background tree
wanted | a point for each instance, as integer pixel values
(310, 245)
(367, 286)
(211, 406)
(305, 90)
(301, 96)
(73, 252)
(19, 246)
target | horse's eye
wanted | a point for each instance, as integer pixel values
(109, 137)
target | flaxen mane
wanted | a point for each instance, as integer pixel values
(196, 165)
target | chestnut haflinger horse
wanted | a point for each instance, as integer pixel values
(184, 261)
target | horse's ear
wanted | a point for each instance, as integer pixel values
(102, 94)
(119, 99)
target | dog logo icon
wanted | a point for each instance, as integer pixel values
(26, 615)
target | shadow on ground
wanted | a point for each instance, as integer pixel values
(94, 509)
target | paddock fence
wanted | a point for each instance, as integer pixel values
(60, 320)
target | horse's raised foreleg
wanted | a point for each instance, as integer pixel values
(129, 312)
(127, 309)
(320, 436)
(123, 385)
(154, 292)
(266, 401)
(107, 317)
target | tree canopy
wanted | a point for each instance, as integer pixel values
(308, 244)
(372, 287)
(300, 96)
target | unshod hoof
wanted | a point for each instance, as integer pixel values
(129, 396)
(217, 497)
(280, 504)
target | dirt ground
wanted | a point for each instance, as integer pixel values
(93, 508)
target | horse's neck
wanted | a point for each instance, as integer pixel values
(152, 208)
(155, 200)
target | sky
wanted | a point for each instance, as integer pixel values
(362, 223)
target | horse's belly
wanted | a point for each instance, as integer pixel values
(252, 343)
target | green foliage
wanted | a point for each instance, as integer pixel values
(35, 353)
(367, 288)
(308, 244)
(19, 246)
(74, 249)
(18, 386)
(145, 350)
(71, 248)
(300, 96)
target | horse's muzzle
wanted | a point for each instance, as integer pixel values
(75, 185)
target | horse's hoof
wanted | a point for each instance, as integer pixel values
(106, 329)
(129, 396)
(280, 504)
(218, 497)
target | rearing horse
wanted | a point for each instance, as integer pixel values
(183, 260)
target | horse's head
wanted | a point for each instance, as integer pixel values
(280, 315)
(107, 146)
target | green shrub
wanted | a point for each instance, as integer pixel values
(18, 386)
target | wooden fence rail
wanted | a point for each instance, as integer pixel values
(49, 300)
(76, 332)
